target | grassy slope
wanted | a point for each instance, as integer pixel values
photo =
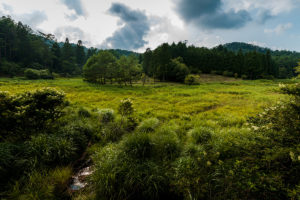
(212, 104)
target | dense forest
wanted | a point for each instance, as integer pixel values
(21, 48)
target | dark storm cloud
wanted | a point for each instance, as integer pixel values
(135, 25)
(209, 14)
(75, 5)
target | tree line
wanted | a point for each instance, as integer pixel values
(21, 48)
(251, 65)
(104, 67)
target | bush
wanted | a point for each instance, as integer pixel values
(9, 68)
(43, 184)
(236, 75)
(50, 150)
(200, 135)
(244, 77)
(148, 125)
(82, 112)
(107, 115)
(45, 74)
(25, 114)
(113, 131)
(190, 80)
(32, 74)
(126, 107)
(227, 73)
(135, 164)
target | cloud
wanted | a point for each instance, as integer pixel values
(279, 29)
(73, 34)
(33, 19)
(263, 10)
(77, 7)
(164, 30)
(134, 25)
(210, 14)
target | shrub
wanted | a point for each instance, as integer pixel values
(130, 170)
(45, 74)
(82, 112)
(30, 112)
(227, 73)
(200, 135)
(9, 68)
(190, 79)
(113, 131)
(50, 150)
(244, 77)
(213, 72)
(148, 125)
(32, 74)
(126, 107)
(107, 115)
(236, 75)
(43, 185)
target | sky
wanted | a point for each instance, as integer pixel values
(140, 24)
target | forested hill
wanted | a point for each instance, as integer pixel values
(22, 48)
(245, 47)
(284, 59)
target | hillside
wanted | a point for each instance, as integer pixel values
(285, 60)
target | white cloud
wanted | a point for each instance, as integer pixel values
(279, 29)
(275, 7)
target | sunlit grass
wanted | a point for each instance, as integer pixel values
(219, 103)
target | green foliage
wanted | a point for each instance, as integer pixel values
(148, 125)
(50, 150)
(82, 112)
(126, 107)
(106, 115)
(136, 163)
(201, 135)
(48, 185)
(32, 74)
(227, 73)
(9, 68)
(24, 114)
(190, 79)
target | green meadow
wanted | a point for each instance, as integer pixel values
(223, 103)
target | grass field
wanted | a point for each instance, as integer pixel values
(220, 102)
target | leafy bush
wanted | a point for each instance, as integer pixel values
(32, 74)
(45, 74)
(200, 135)
(107, 115)
(148, 125)
(9, 68)
(52, 150)
(24, 114)
(82, 112)
(136, 163)
(190, 80)
(48, 185)
(126, 107)
(244, 76)
(113, 131)
(227, 73)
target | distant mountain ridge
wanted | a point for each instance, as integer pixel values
(246, 47)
